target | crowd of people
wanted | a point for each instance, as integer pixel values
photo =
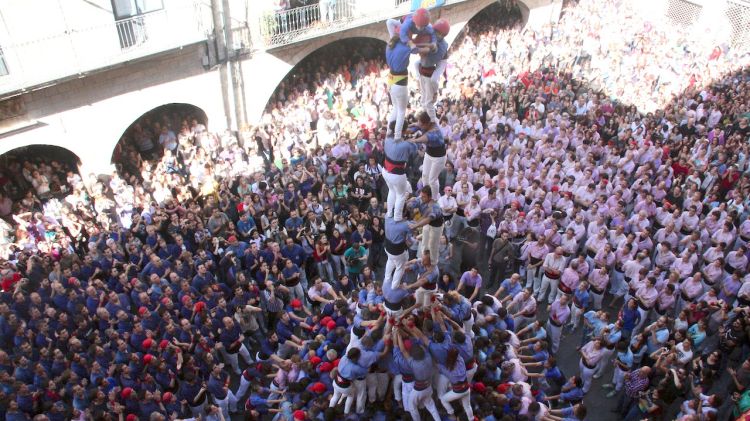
(585, 192)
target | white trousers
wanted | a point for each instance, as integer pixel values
(394, 268)
(597, 299)
(398, 387)
(587, 375)
(340, 393)
(377, 386)
(575, 315)
(422, 398)
(469, 326)
(229, 403)
(398, 190)
(431, 169)
(618, 378)
(233, 359)
(242, 389)
(424, 297)
(550, 283)
(360, 394)
(554, 333)
(428, 88)
(532, 278)
(603, 363)
(431, 241)
(465, 398)
(400, 99)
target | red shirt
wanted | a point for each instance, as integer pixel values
(679, 169)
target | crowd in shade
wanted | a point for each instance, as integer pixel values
(596, 186)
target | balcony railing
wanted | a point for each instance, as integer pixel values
(76, 51)
(289, 26)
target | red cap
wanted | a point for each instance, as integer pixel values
(163, 344)
(515, 203)
(336, 362)
(131, 417)
(142, 310)
(199, 306)
(324, 321)
(315, 360)
(421, 17)
(503, 388)
(442, 26)
(479, 387)
(522, 214)
(126, 392)
(296, 303)
(555, 188)
(146, 344)
(325, 367)
(148, 358)
(232, 239)
(184, 299)
(318, 388)
(72, 280)
(166, 300)
(408, 344)
(167, 397)
(300, 415)
(331, 325)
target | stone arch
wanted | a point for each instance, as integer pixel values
(170, 115)
(37, 153)
(273, 66)
(351, 47)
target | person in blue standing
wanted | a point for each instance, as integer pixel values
(397, 53)
(419, 360)
(435, 151)
(397, 233)
(398, 153)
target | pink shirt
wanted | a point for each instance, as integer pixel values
(647, 295)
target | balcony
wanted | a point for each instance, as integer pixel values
(278, 29)
(32, 60)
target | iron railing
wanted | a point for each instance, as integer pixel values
(289, 26)
(75, 51)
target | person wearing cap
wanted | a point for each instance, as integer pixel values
(418, 23)
(431, 66)
(397, 234)
(398, 154)
(432, 221)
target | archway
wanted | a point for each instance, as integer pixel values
(164, 127)
(46, 171)
(353, 58)
(498, 14)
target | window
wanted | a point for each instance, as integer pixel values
(3, 66)
(130, 17)
(125, 9)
